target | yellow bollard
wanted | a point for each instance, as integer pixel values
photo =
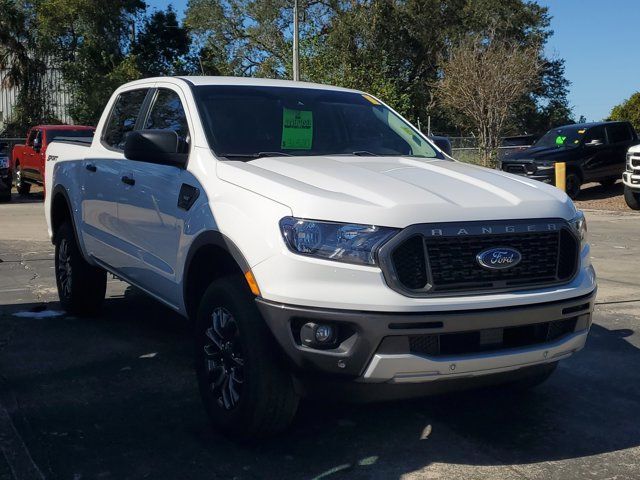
(561, 175)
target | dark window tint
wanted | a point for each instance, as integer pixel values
(123, 117)
(32, 135)
(595, 133)
(167, 113)
(60, 134)
(619, 133)
(248, 121)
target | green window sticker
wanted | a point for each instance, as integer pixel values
(297, 129)
(560, 139)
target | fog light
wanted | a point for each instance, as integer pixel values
(317, 335)
(324, 333)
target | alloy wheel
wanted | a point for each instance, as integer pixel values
(224, 363)
(64, 268)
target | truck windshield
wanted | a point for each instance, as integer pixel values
(53, 134)
(564, 137)
(246, 122)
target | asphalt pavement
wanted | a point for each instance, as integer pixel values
(115, 397)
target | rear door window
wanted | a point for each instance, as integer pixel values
(123, 117)
(167, 113)
(619, 133)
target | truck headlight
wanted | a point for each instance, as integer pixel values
(341, 242)
(579, 225)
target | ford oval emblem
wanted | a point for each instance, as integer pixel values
(499, 258)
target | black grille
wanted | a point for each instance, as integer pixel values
(451, 265)
(410, 263)
(490, 340)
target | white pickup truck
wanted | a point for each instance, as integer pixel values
(631, 178)
(320, 244)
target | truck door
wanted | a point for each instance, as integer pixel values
(151, 222)
(620, 137)
(102, 172)
(597, 152)
(29, 163)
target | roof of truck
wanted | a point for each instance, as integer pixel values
(242, 81)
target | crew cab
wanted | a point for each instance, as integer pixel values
(27, 161)
(593, 152)
(631, 178)
(320, 244)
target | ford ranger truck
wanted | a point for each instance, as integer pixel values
(319, 243)
(27, 161)
(631, 178)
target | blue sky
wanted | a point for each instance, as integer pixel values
(599, 41)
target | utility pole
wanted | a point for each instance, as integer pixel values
(296, 66)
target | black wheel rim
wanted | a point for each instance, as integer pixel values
(64, 268)
(224, 363)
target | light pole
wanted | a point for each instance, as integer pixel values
(296, 66)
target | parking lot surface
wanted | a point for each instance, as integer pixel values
(115, 397)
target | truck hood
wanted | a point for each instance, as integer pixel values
(395, 191)
(540, 153)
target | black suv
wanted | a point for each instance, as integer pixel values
(593, 152)
(5, 173)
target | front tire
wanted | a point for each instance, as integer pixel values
(572, 185)
(247, 392)
(81, 286)
(632, 197)
(22, 186)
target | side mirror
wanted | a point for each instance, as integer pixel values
(443, 144)
(155, 146)
(37, 145)
(596, 142)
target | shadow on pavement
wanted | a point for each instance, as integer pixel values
(595, 191)
(116, 397)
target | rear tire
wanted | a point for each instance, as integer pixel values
(247, 392)
(572, 185)
(81, 286)
(22, 186)
(632, 197)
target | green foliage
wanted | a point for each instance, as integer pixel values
(628, 110)
(161, 46)
(24, 67)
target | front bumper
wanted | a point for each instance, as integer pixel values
(632, 179)
(377, 346)
(529, 170)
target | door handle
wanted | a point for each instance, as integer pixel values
(128, 180)
(91, 168)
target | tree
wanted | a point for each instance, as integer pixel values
(89, 40)
(628, 110)
(25, 67)
(481, 80)
(162, 45)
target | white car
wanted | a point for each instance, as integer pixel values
(321, 244)
(631, 178)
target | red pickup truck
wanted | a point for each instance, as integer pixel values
(27, 161)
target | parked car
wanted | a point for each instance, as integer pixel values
(320, 243)
(27, 161)
(593, 152)
(5, 174)
(631, 178)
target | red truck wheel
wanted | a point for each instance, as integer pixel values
(22, 187)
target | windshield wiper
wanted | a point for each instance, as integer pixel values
(253, 156)
(364, 153)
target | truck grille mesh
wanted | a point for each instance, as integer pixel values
(448, 264)
(461, 343)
